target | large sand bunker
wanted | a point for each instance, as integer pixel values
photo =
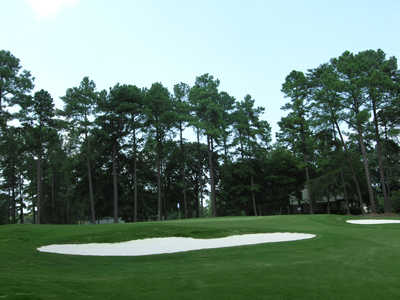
(171, 244)
(373, 221)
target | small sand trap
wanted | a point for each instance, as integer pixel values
(171, 244)
(373, 221)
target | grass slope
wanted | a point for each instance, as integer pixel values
(344, 261)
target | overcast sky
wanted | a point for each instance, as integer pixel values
(250, 46)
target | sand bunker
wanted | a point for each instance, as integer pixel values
(171, 244)
(373, 221)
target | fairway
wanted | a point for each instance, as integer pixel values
(343, 261)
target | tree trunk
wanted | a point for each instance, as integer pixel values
(39, 190)
(328, 204)
(9, 207)
(159, 204)
(21, 199)
(13, 204)
(307, 170)
(183, 162)
(201, 197)
(353, 173)
(67, 209)
(164, 196)
(298, 196)
(310, 200)
(135, 201)
(115, 181)
(346, 200)
(91, 197)
(366, 168)
(253, 196)
(53, 198)
(34, 212)
(388, 174)
(198, 178)
(201, 201)
(196, 193)
(197, 205)
(387, 200)
(211, 171)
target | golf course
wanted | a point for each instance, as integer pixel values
(199, 150)
(343, 261)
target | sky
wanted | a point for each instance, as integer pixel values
(250, 46)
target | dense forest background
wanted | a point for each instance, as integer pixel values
(135, 154)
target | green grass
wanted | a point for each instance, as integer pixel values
(344, 261)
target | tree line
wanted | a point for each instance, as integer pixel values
(125, 153)
(343, 123)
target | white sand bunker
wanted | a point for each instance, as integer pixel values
(373, 221)
(171, 244)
